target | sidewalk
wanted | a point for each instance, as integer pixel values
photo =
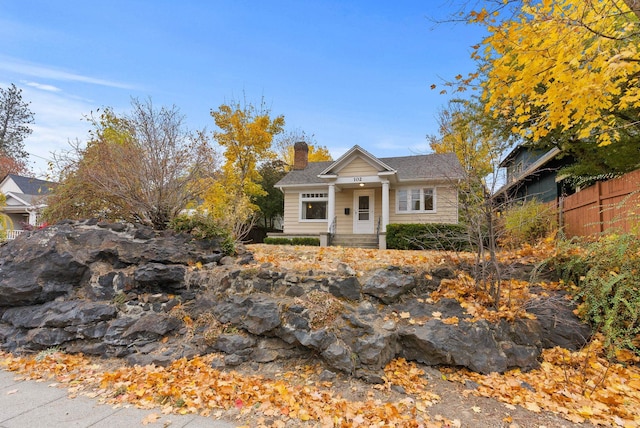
(36, 404)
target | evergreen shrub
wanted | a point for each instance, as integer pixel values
(308, 241)
(427, 236)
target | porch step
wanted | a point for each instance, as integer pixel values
(355, 240)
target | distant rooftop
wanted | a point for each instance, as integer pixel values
(32, 186)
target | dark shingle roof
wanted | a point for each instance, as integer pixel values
(419, 167)
(308, 175)
(434, 166)
(32, 186)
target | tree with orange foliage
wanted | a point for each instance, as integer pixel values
(9, 165)
(144, 167)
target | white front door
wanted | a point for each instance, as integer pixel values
(364, 216)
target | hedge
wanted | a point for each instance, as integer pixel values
(428, 236)
(313, 242)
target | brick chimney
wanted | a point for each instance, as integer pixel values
(300, 155)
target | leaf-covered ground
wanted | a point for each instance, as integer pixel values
(569, 389)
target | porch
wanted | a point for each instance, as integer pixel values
(12, 234)
(355, 241)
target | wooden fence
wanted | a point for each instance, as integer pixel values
(607, 205)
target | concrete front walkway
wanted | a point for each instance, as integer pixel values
(36, 404)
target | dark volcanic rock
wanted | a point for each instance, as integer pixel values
(376, 350)
(560, 327)
(257, 313)
(160, 275)
(348, 288)
(339, 356)
(388, 284)
(59, 314)
(115, 289)
(471, 345)
(232, 343)
(151, 327)
(37, 274)
(47, 337)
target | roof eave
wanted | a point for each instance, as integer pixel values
(354, 149)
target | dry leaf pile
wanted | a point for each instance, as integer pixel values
(580, 386)
(193, 386)
(323, 259)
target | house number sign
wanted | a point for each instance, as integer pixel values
(357, 179)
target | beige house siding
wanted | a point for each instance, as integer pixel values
(446, 208)
(446, 211)
(358, 167)
(292, 223)
(344, 199)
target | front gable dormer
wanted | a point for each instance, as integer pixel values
(357, 163)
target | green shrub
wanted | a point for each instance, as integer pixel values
(312, 242)
(273, 240)
(527, 222)
(204, 227)
(606, 274)
(427, 236)
(277, 241)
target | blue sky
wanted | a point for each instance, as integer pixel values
(348, 72)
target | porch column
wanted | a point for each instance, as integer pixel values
(331, 208)
(385, 205)
(33, 217)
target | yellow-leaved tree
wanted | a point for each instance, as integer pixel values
(461, 131)
(563, 66)
(5, 220)
(246, 133)
(285, 151)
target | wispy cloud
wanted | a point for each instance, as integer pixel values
(58, 120)
(45, 72)
(43, 86)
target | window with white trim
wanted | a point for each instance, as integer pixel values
(415, 200)
(313, 206)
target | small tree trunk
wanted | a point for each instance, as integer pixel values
(634, 5)
(496, 278)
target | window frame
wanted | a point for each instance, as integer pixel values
(312, 196)
(409, 192)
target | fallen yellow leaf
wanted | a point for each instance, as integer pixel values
(150, 418)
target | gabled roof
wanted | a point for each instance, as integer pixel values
(405, 168)
(309, 175)
(31, 186)
(22, 199)
(434, 166)
(336, 166)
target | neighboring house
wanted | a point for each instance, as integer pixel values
(358, 195)
(26, 197)
(532, 173)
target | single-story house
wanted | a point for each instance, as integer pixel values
(26, 197)
(351, 201)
